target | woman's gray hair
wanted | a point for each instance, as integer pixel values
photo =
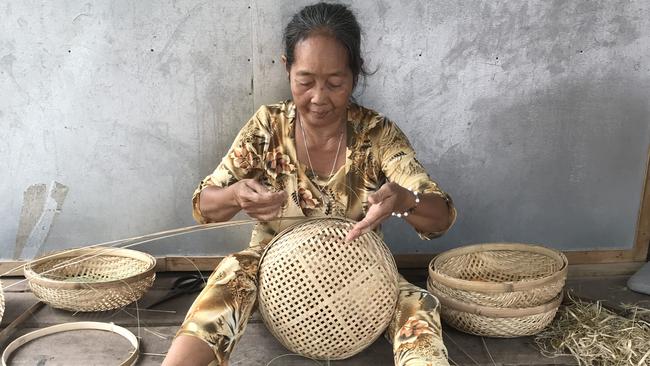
(335, 20)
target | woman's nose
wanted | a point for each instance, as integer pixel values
(320, 95)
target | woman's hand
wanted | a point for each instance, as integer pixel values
(390, 197)
(257, 201)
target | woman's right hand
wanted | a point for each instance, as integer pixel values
(258, 201)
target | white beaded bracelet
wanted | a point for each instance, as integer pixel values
(407, 212)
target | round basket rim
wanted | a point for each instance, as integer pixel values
(496, 312)
(76, 326)
(301, 222)
(497, 287)
(306, 220)
(37, 278)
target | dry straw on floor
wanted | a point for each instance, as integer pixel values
(594, 335)
(324, 298)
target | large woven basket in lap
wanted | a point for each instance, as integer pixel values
(91, 279)
(508, 275)
(324, 298)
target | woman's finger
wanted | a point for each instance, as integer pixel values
(251, 196)
(374, 217)
(258, 193)
(256, 186)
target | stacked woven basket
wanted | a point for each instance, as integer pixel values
(499, 290)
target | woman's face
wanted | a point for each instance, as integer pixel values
(321, 80)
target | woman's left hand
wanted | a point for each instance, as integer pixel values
(385, 201)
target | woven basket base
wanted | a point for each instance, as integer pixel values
(497, 327)
(515, 299)
(89, 299)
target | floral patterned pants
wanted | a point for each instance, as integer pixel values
(220, 313)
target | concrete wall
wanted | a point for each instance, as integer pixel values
(533, 115)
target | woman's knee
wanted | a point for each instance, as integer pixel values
(188, 350)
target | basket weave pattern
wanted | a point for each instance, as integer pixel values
(498, 290)
(324, 298)
(91, 279)
(501, 266)
(498, 327)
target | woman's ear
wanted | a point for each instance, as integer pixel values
(286, 64)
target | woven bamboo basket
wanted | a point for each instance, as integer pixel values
(497, 322)
(91, 279)
(323, 298)
(507, 275)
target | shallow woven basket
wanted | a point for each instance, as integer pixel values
(91, 279)
(496, 322)
(506, 275)
(324, 298)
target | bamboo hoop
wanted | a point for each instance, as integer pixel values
(508, 275)
(321, 297)
(91, 279)
(109, 327)
(494, 321)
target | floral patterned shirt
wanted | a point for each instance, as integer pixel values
(376, 152)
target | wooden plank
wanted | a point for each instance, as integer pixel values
(604, 269)
(258, 347)
(642, 241)
(7, 331)
(420, 260)
(603, 256)
(595, 257)
(404, 261)
(11, 268)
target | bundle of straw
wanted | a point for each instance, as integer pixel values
(594, 335)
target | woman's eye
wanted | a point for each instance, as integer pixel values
(304, 83)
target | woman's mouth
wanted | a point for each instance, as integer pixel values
(319, 114)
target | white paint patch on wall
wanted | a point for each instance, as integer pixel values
(41, 204)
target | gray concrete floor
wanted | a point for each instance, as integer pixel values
(257, 346)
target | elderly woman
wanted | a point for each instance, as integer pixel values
(318, 154)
